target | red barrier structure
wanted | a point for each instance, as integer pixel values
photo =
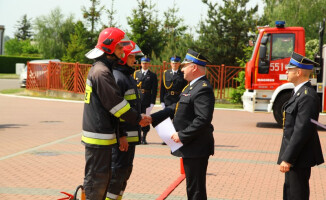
(175, 184)
(71, 77)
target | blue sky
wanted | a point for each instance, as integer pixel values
(12, 11)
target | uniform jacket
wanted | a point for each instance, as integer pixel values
(147, 86)
(192, 119)
(171, 87)
(128, 88)
(300, 143)
(104, 104)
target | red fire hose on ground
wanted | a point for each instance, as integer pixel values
(163, 196)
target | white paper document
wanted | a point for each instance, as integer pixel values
(165, 130)
(318, 124)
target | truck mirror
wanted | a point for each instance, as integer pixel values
(251, 43)
(262, 51)
(264, 39)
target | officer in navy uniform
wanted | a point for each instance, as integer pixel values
(300, 148)
(147, 85)
(192, 117)
(172, 83)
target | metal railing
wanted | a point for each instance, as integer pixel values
(71, 77)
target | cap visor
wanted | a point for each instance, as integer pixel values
(186, 62)
(289, 66)
(94, 53)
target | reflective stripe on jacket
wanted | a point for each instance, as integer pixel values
(104, 104)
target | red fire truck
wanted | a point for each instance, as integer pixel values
(267, 88)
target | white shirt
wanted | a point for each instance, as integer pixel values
(299, 86)
(196, 79)
(174, 72)
(144, 71)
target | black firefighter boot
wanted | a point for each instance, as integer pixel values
(143, 140)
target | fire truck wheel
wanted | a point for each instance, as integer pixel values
(277, 107)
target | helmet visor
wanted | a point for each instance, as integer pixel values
(137, 51)
(126, 43)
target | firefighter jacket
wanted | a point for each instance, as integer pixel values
(128, 88)
(192, 119)
(147, 85)
(103, 106)
(171, 86)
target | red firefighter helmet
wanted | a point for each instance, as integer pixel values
(107, 41)
(129, 50)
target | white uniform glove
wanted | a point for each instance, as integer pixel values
(163, 105)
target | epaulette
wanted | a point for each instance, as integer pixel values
(204, 84)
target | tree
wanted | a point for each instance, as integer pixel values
(53, 33)
(303, 13)
(146, 29)
(225, 30)
(111, 12)
(23, 29)
(93, 14)
(77, 47)
(174, 32)
(15, 47)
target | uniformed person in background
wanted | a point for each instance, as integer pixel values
(103, 106)
(192, 117)
(300, 148)
(123, 155)
(172, 83)
(147, 85)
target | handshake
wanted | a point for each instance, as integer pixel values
(145, 120)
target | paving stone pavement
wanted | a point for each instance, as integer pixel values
(41, 155)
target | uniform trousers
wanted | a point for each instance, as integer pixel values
(97, 172)
(122, 163)
(195, 170)
(296, 185)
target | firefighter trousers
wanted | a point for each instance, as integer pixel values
(97, 172)
(122, 163)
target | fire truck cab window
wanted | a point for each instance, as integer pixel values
(282, 46)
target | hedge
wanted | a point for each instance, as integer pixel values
(8, 63)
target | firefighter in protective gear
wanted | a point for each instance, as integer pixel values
(147, 85)
(103, 106)
(122, 159)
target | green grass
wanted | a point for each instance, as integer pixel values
(9, 76)
(228, 105)
(13, 91)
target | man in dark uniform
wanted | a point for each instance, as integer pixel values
(192, 117)
(300, 149)
(172, 83)
(123, 155)
(147, 85)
